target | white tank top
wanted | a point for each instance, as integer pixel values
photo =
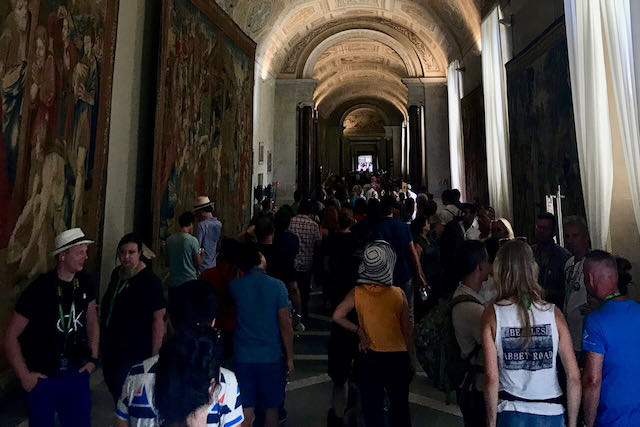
(528, 372)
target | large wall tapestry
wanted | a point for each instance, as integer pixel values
(475, 146)
(543, 141)
(56, 69)
(204, 117)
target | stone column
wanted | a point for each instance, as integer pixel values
(416, 154)
(291, 98)
(307, 149)
(428, 133)
(436, 112)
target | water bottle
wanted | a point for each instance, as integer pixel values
(424, 293)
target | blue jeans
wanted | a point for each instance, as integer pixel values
(66, 394)
(522, 419)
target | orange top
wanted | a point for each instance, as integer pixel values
(379, 311)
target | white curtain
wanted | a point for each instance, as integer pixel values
(456, 142)
(495, 113)
(591, 113)
(616, 19)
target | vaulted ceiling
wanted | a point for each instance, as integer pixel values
(358, 48)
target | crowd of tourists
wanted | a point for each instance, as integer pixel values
(542, 335)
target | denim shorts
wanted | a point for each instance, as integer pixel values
(261, 384)
(522, 419)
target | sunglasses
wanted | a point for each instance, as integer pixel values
(521, 238)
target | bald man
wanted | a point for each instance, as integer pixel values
(611, 342)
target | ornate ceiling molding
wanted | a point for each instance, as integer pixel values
(433, 62)
(407, 54)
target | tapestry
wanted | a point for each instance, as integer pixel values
(56, 69)
(475, 147)
(204, 117)
(542, 131)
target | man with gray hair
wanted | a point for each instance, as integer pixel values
(611, 375)
(576, 239)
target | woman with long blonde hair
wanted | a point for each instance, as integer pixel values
(522, 335)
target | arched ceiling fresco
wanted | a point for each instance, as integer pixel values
(364, 121)
(358, 47)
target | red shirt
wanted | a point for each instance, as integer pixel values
(219, 277)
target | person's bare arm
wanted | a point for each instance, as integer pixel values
(340, 317)
(93, 332)
(568, 357)
(286, 332)
(157, 330)
(294, 296)
(198, 258)
(405, 326)
(491, 374)
(121, 423)
(343, 309)
(591, 382)
(416, 265)
(28, 379)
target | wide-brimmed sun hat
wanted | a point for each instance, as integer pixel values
(201, 202)
(377, 265)
(70, 238)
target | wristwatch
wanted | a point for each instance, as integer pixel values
(93, 360)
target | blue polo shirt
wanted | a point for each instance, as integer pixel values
(613, 330)
(258, 299)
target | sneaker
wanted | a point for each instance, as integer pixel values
(298, 326)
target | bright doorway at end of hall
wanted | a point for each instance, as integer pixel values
(365, 163)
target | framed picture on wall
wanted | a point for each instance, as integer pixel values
(260, 152)
(260, 179)
(269, 161)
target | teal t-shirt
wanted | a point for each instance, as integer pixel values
(181, 248)
(258, 299)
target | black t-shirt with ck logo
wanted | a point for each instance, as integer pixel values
(50, 342)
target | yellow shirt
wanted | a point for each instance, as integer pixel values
(379, 311)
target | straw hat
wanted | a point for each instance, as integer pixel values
(201, 202)
(68, 239)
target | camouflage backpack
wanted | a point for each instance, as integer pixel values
(437, 348)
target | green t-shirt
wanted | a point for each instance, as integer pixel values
(181, 248)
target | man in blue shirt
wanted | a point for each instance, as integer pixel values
(399, 237)
(263, 329)
(611, 376)
(207, 232)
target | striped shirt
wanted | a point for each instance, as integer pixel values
(136, 401)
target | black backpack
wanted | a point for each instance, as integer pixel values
(437, 348)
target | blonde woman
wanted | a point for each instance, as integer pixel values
(502, 229)
(522, 335)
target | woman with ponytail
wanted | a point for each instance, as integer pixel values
(522, 336)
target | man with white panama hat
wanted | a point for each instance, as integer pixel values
(52, 338)
(208, 231)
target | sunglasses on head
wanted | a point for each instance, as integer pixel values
(503, 241)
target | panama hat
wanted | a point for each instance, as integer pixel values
(70, 238)
(377, 265)
(202, 202)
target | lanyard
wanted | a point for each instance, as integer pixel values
(66, 328)
(121, 286)
(616, 294)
